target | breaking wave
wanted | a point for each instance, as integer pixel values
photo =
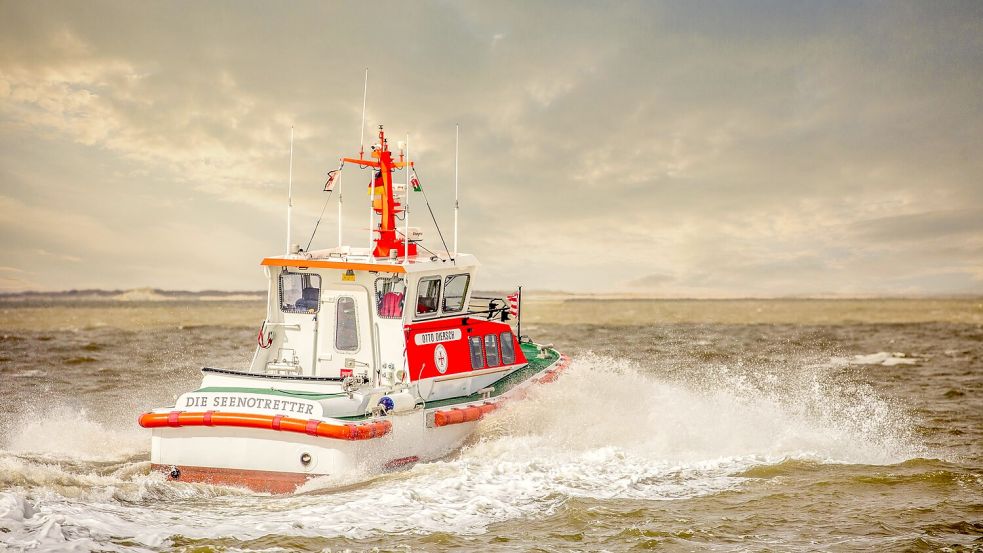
(69, 433)
(607, 429)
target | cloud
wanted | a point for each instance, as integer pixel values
(60, 256)
(743, 151)
(952, 224)
(652, 281)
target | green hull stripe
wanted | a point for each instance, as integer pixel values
(533, 365)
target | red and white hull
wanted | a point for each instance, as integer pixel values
(282, 459)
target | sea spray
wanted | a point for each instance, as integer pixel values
(62, 432)
(607, 430)
(713, 412)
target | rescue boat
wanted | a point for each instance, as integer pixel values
(370, 358)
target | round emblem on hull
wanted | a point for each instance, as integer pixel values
(440, 358)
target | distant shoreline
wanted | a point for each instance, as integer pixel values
(146, 309)
(161, 295)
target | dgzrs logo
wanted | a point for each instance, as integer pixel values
(440, 358)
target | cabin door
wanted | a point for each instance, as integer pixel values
(298, 299)
(299, 337)
(345, 340)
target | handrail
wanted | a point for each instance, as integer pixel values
(274, 376)
(464, 315)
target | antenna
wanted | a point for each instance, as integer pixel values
(340, 203)
(406, 208)
(361, 154)
(371, 209)
(361, 138)
(457, 206)
(290, 186)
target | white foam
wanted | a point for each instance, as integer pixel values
(66, 433)
(604, 430)
(888, 359)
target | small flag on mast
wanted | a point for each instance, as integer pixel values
(415, 182)
(514, 304)
(377, 186)
(333, 178)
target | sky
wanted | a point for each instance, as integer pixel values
(680, 149)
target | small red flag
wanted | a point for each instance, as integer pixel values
(514, 304)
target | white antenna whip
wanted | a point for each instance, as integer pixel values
(457, 144)
(290, 186)
(371, 212)
(406, 208)
(365, 94)
(340, 203)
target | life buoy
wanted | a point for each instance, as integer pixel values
(267, 341)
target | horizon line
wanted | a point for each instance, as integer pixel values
(609, 295)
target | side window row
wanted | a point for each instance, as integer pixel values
(485, 350)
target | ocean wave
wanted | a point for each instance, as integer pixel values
(63, 432)
(607, 429)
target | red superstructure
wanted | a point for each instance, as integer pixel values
(420, 357)
(384, 202)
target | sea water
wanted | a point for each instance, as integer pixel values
(836, 432)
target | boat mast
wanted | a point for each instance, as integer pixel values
(383, 202)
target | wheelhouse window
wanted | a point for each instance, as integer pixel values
(390, 295)
(455, 289)
(428, 294)
(491, 350)
(508, 349)
(346, 325)
(477, 356)
(300, 293)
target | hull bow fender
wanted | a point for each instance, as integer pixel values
(312, 427)
(458, 415)
(552, 375)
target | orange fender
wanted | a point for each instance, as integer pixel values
(458, 415)
(311, 427)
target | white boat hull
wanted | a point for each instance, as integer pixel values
(270, 461)
(279, 454)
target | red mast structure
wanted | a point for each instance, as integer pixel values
(383, 199)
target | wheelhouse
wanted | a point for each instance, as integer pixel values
(332, 317)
